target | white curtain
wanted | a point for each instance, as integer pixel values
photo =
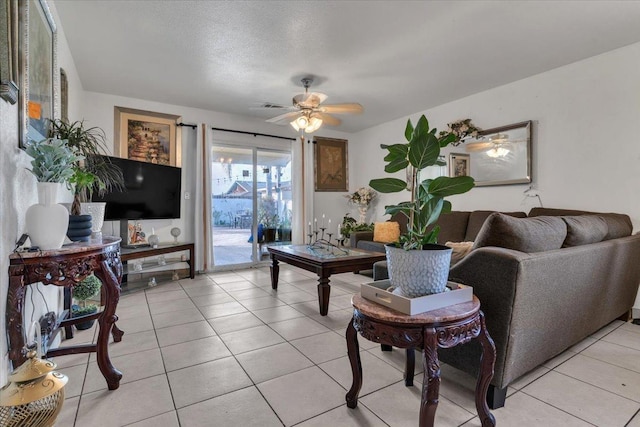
(202, 214)
(298, 191)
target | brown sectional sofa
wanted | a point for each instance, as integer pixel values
(539, 303)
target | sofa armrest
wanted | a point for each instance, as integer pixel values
(356, 236)
(493, 274)
(539, 304)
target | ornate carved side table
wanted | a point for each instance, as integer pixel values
(445, 327)
(67, 267)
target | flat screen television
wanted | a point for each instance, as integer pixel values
(151, 192)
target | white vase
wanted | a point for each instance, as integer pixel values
(47, 221)
(362, 210)
(419, 272)
(96, 210)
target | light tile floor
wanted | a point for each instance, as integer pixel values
(226, 350)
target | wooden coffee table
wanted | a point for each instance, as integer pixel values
(323, 262)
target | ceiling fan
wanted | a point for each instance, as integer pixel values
(498, 145)
(308, 113)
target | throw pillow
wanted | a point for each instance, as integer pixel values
(460, 250)
(584, 229)
(386, 232)
(537, 234)
(619, 226)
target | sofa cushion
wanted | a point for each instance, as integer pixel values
(368, 245)
(460, 250)
(402, 220)
(619, 225)
(584, 229)
(477, 218)
(386, 232)
(453, 226)
(536, 234)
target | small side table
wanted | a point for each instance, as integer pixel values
(445, 327)
(67, 267)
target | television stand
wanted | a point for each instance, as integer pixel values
(141, 245)
(128, 254)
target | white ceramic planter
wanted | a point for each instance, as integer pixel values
(47, 221)
(419, 272)
(96, 210)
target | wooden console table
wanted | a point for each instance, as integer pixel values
(67, 267)
(445, 327)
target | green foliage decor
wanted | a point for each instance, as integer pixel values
(96, 171)
(350, 225)
(427, 197)
(267, 213)
(84, 290)
(53, 160)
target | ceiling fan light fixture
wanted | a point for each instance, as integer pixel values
(307, 124)
(496, 152)
(314, 124)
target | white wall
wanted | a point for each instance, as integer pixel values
(18, 192)
(586, 150)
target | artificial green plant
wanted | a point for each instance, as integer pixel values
(427, 202)
(91, 171)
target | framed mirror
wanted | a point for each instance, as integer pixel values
(38, 70)
(501, 156)
(8, 50)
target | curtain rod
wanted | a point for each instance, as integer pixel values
(187, 125)
(254, 134)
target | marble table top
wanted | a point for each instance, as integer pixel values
(441, 315)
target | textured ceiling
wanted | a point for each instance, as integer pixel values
(394, 57)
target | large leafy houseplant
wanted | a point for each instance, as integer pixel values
(92, 171)
(427, 197)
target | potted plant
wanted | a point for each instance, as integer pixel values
(87, 288)
(418, 247)
(268, 217)
(52, 164)
(284, 231)
(92, 172)
(350, 225)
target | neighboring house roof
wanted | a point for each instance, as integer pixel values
(244, 189)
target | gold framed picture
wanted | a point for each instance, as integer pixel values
(146, 136)
(331, 164)
(459, 165)
(37, 70)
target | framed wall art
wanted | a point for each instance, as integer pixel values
(8, 50)
(331, 162)
(459, 165)
(38, 70)
(146, 136)
(502, 155)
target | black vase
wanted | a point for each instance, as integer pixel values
(79, 228)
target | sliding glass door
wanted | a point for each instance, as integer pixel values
(251, 203)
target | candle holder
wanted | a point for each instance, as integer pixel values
(324, 244)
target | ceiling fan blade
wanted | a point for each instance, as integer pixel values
(285, 118)
(309, 100)
(349, 108)
(328, 119)
(267, 106)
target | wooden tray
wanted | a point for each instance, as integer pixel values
(376, 292)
